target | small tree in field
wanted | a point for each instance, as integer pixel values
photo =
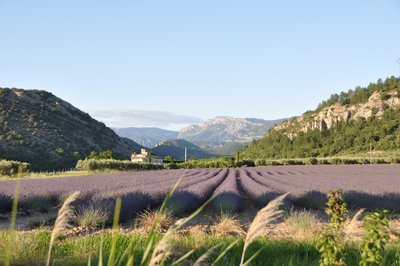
(375, 239)
(331, 243)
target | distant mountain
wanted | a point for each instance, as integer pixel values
(39, 128)
(350, 122)
(137, 147)
(176, 149)
(226, 133)
(146, 136)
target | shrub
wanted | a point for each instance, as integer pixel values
(13, 168)
(376, 237)
(334, 161)
(108, 154)
(323, 161)
(395, 160)
(260, 162)
(312, 161)
(292, 162)
(111, 164)
(348, 161)
(171, 166)
(331, 243)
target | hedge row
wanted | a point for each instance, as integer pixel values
(332, 160)
(13, 168)
(111, 164)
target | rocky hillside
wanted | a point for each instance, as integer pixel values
(376, 105)
(346, 123)
(221, 132)
(39, 128)
(146, 136)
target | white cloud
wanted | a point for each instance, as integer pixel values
(142, 118)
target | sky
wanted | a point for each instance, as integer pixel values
(172, 63)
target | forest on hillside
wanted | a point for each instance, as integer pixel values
(345, 137)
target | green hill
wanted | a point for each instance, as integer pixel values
(39, 128)
(176, 149)
(347, 123)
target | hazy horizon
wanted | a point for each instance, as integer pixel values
(171, 64)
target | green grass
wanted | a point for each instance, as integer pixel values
(55, 174)
(49, 174)
(30, 248)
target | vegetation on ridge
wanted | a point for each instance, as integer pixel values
(344, 137)
(49, 133)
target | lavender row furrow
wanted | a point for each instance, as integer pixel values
(191, 197)
(227, 197)
(257, 193)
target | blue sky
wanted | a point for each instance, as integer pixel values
(172, 63)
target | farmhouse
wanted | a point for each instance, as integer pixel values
(145, 157)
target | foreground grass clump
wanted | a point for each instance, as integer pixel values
(227, 223)
(91, 216)
(147, 219)
(303, 224)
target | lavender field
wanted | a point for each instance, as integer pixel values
(368, 186)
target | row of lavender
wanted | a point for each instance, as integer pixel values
(138, 191)
(371, 187)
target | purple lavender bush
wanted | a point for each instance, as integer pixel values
(189, 198)
(227, 197)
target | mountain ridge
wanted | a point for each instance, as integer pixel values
(146, 136)
(50, 133)
(223, 129)
(232, 129)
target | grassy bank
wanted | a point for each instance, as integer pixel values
(30, 248)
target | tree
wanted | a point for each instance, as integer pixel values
(108, 154)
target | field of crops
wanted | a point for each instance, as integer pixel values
(369, 186)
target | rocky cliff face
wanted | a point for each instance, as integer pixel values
(328, 116)
(227, 129)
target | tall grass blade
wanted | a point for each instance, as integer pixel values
(13, 219)
(130, 261)
(62, 221)
(89, 263)
(183, 258)
(149, 244)
(126, 255)
(101, 250)
(254, 256)
(163, 249)
(222, 254)
(203, 258)
(117, 212)
(355, 225)
(265, 216)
